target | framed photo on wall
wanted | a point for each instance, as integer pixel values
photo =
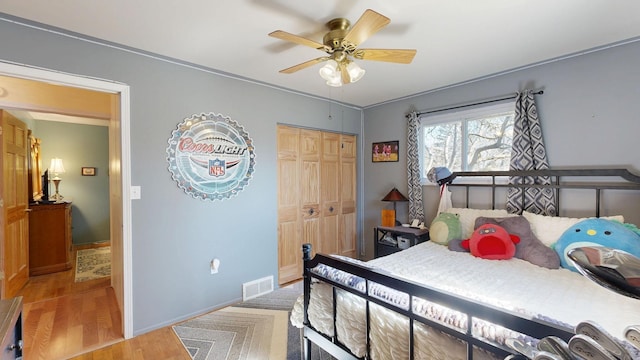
(386, 151)
(88, 171)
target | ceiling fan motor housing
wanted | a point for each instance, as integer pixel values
(338, 29)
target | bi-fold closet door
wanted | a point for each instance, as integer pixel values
(316, 196)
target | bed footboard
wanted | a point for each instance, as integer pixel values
(367, 284)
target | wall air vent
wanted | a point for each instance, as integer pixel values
(256, 288)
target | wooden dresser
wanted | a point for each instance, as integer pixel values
(11, 328)
(49, 238)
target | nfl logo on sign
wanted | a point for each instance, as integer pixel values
(216, 167)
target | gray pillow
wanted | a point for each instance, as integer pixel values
(529, 248)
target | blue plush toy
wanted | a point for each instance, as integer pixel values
(596, 232)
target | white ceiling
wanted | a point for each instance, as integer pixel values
(457, 40)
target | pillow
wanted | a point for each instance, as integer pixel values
(491, 242)
(468, 218)
(597, 232)
(549, 228)
(529, 248)
(444, 228)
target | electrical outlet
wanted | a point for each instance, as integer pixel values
(215, 264)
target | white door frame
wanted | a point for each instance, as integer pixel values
(40, 74)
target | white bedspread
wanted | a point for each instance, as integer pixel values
(517, 285)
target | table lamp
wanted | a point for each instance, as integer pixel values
(56, 168)
(394, 196)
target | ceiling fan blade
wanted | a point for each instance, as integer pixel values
(283, 35)
(401, 56)
(304, 65)
(369, 23)
(346, 79)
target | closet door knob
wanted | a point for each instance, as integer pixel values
(311, 211)
(331, 209)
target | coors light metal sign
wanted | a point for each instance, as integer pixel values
(211, 156)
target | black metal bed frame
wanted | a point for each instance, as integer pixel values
(531, 327)
(626, 181)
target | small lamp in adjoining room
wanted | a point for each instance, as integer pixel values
(394, 196)
(56, 168)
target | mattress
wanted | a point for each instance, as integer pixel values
(559, 296)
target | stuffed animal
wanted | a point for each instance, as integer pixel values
(444, 228)
(530, 248)
(492, 242)
(596, 232)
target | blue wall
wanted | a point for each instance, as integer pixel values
(174, 235)
(589, 115)
(80, 146)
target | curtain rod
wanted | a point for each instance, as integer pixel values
(540, 92)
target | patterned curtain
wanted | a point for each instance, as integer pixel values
(528, 153)
(416, 208)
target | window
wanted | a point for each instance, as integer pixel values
(478, 139)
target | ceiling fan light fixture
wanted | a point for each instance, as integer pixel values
(330, 70)
(335, 82)
(355, 72)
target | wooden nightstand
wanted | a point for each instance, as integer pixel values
(396, 238)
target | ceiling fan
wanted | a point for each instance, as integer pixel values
(341, 43)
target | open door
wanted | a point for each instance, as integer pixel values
(15, 200)
(118, 112)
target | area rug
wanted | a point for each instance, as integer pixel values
(93, 263)
(235, 333)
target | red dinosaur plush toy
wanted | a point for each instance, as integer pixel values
(491, 242)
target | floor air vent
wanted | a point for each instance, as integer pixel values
(256, 288)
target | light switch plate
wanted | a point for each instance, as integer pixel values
(136, 193)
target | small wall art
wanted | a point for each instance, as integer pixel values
(386, 151)
(88, 171)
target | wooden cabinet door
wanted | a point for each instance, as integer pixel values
(330, 185)
(15, 197)
(348, 196)
(289, 240)
(310, 144)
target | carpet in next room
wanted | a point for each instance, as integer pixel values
(93, 263)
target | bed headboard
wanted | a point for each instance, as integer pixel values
(556, 179)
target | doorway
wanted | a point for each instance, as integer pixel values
(119, 160)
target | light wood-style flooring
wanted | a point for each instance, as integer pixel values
(63, 319)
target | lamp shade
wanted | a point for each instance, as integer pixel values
(329, 70)
(56, 166)
(335, 82)
(394, 195)
(355, 72)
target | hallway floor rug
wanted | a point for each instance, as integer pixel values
(93, 263)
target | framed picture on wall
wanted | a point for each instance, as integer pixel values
(88, 171)
(385, 151)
